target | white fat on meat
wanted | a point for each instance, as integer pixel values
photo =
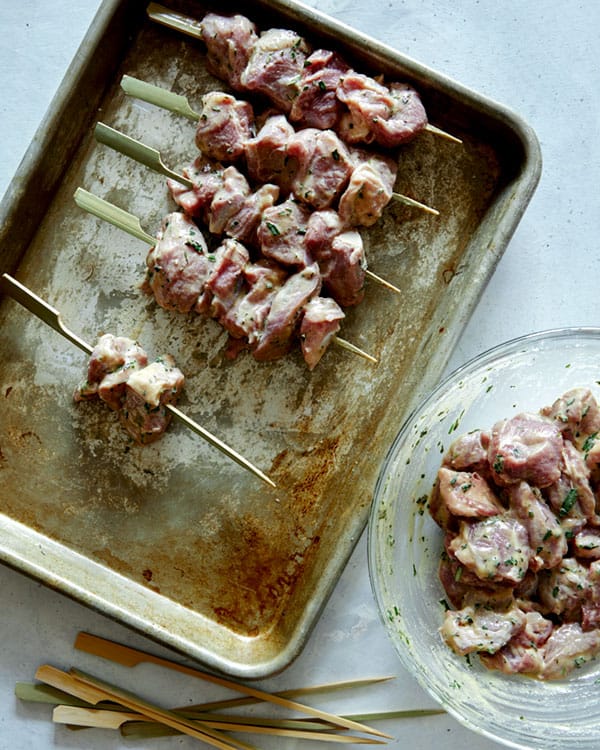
(229, 42)
(526, 447)
(178, 265)
(479, 628)
(387, 115)
(369, 190)
(320, 322)
(281, 233)
(284, 316)
(224, 125)
(568, 648)
(324, 166)
(275, 66)
(316, 105)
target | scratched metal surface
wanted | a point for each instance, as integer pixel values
(173, 539)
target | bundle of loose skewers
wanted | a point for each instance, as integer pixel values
(83, 700)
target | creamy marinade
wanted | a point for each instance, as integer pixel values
(519, 505)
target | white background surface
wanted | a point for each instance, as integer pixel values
(540, 58)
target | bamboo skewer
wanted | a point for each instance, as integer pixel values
(191, 27)
(52, 317)
(180, 105)
(130, 657)
(151, 158)
(122, 219)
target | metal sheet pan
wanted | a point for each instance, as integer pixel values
(173, 539)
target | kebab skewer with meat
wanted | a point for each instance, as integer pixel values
(316, 88)
(287, 232)
(260, 304)
(313, 164)
(119, 374)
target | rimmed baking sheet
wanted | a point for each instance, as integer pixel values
(173, 539)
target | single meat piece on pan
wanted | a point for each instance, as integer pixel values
(324, 166)
(370, 189)
(317, 105)
(275, 66)
(229, 42)
(228, 200)
(224, 125)
(225, 281)
(267, 157)
(320, 323)
(206, 177)
(281, 233)
(385, 115)
(243, 225)
(343, 265)
(147, 393)
(286, 310)
(526, 447)
(178, 265)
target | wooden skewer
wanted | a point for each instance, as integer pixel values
(131, 657)
(180, 105)
(94, 690)
(190, 26)
(51, 317)
(131, 224)
(151, 158)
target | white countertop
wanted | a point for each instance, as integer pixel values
(540, 59)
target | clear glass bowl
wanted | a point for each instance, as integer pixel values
(405, 544)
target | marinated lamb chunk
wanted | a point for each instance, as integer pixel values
(586, 543)
(206, 177)
(343, 265)
(495, 549)
(243, 225)
(546, 536)
(246, 319)
(322, 228)
(275, 67)
(527, 447)
(225, 282)
(523, 654)
(469, 451)
(112, 360)
(178, 265)
(324, 166)
(148, 391)
(228, 200)
(119, 375)
(224, 125)
(229, 42)
(481, 629)
(388, 116)
(317, 105)
(286, 310)
(462, 585)
(467, 495)
(281, 234)
(267, 158)
(571, 496)
(577, 414)
(370, 189)
(568, 648)
(320, 322)
(564, 589)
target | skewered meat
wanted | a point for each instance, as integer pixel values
(225, 280)
(267, 158)
(228, 200)
(281, 233)
(317, 105)
(243, 225)
(229, 42)
(207, 177)
(178, 265)
(343, 266)
(320, 322)
(275, 66)
(376, 113)
(324, 166)
(285, 313)
(224, 125)
(119, 374)
(370, 189)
